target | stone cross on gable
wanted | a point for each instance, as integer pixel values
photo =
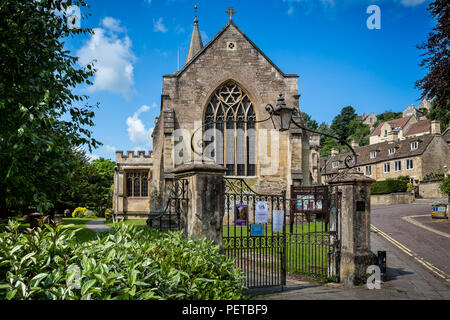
(231, 12)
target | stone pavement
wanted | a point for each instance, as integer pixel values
(404, 281)
(97, 226)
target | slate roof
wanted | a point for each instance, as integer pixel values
(397, 123)
(419, 127)
(446, 135)
(402, 150)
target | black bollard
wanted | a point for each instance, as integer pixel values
(382, 264)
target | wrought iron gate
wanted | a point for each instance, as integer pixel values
(262, 257)
(173, 214)
(313, 235)
(308, 243)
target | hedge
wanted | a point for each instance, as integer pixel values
(390, 186)
(127, 263)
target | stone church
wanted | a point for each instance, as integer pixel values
(225, 86)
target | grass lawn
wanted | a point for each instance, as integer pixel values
(136, 223)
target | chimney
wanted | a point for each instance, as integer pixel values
(393, 136)
(435, 127)
(334, 152)
(355, 144)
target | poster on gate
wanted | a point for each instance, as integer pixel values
(278, 220)
(241, 215)
(262, 212)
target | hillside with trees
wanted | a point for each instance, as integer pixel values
(346, 127)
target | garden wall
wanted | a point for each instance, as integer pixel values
(392, 199)
(430, 190)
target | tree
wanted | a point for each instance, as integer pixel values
(40, 116)
(436, 84)
(310, 123)
(445, 187)
(360, 132)
(341, 123)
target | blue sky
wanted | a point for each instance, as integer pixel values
(326, 42)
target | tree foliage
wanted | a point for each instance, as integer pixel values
(41, 118)
(89, 183)
(341, 123)
(436, 84)
(445, 186)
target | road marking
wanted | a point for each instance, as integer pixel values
(409, 252)
(410, 219)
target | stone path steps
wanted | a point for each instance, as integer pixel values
(97, 226)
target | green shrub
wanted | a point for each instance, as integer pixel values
(445, 186)
(79, 212)
(109, 214)
(390, 186)
(125, 263)
(434, 177)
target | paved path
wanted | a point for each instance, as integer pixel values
(97, 226)
(418, 261)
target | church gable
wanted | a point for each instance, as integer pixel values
(228, 39)
(229, 56)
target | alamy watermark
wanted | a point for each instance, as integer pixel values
(374, 20)
(73, 16)
(374, 280)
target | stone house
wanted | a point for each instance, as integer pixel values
(217, 103)
(414, 157)
(418, 112)
(369, 120)
(403, 128)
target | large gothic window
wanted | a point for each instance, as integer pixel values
(230, 130)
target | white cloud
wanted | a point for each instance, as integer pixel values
(158, 26)
(411, 3)
(112, 24)
(331, 4)
(112, 56)
(93, 157)
(137, 132)
(110, 149)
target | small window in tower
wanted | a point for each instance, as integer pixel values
(231, 46)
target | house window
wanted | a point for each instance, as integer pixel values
(398, 165)
(409, 164)
(385, 133)
(373, 154)
(368, 170)
(137, 184)
(387, 167)
(335, 164)
(230, 124)
(414, 145)
(391, 151)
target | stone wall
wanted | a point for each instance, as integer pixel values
(392, 199)
(430, 190)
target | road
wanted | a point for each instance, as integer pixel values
(423, 244)
(418, 259)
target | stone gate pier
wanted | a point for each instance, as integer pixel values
(205, 212)
(354, 226)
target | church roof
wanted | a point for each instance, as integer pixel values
(230, 23)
